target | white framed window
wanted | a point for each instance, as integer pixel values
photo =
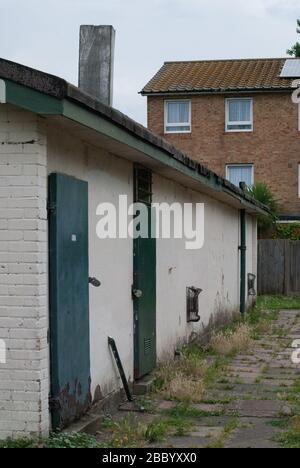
(239, 115)
(237, 173)
(178, 116)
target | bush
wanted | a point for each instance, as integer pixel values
(264, 195)
(287, 231)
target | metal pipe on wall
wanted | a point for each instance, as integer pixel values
(243, 250)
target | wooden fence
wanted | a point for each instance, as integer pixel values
(279, 267)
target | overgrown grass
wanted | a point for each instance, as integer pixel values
(128, 432)
(183, 411)
(278, 303)
(229, 428)
(230, 342)
(186, 380)
(291, 437)
(56, 440)
(182, 380)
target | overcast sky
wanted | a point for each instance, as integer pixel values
(44, 34)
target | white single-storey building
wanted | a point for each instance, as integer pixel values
(62, 153)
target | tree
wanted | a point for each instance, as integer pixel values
(261, 192)
(295, 50)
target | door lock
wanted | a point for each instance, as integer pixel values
(94, 282)
(137, 293)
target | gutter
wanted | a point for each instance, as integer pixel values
(207, 92)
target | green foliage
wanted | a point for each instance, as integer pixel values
(156, 432)
(295, 49)
(188, 412)
(19, 443)
(56, 440)
(276, 303)
(68, 440)
(126, 432)
(287, 231)
(291, 437)
(263, 194)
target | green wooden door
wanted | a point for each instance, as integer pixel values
(69, 299)
(144, 284)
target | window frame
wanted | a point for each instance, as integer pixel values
(251, 165)
(185, 124)
(250, 122)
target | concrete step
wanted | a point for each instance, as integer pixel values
(144, 385)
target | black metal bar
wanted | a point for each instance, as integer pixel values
(113, 346)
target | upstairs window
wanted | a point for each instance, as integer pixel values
(237, 173)
(239, 115)
(177, 116)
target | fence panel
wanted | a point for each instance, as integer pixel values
(271, 266)
(294, 271)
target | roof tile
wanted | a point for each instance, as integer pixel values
(218, 75)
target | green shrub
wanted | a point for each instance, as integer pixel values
(287, 231)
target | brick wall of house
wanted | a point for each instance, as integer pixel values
(273, 147)
(24, 382)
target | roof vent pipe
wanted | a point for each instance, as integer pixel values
(96, 62)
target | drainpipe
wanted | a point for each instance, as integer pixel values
(243, 249)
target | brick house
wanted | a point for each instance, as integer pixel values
(235, 116)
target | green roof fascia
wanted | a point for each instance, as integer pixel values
(32, 100)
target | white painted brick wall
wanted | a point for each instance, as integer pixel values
(24, 379)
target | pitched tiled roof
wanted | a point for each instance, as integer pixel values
(218, 76)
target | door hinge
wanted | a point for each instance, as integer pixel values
(51, 207)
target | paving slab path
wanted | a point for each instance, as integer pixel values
(244, 407)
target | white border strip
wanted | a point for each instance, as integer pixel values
(2, 352)
(2, 92)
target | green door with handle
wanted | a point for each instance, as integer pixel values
(144, 283)
(69, 299)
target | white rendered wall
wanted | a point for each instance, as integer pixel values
(111, 261)
(215, 268)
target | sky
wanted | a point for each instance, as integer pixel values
(44, 34)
